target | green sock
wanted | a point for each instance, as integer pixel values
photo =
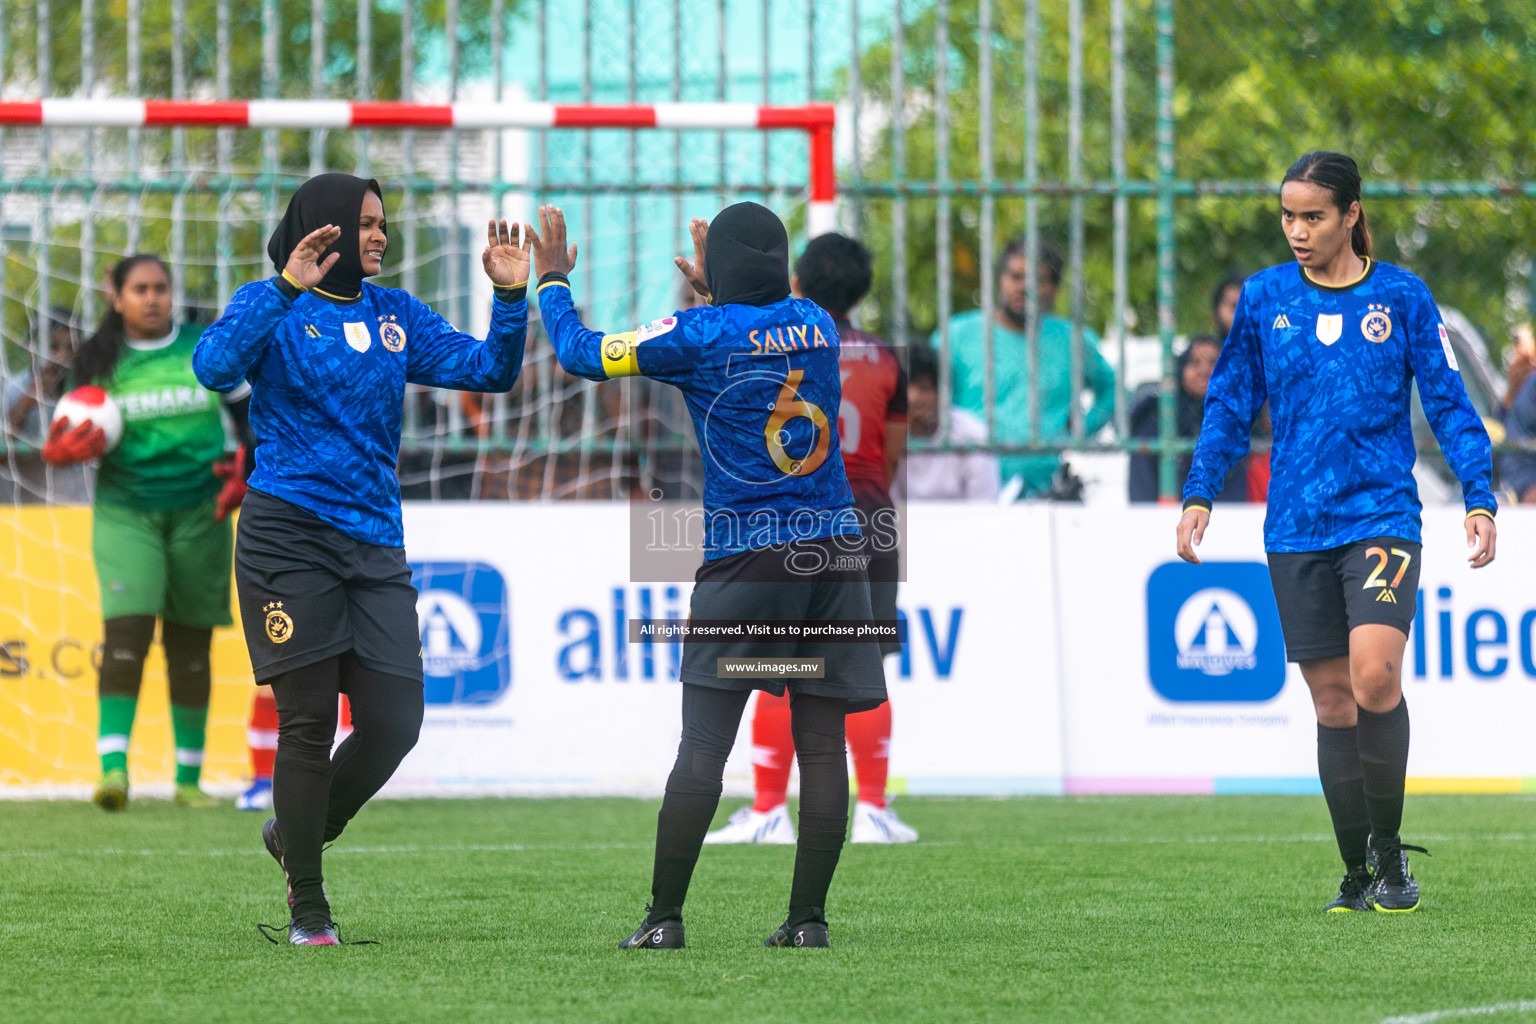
(116, 725)
(189, 726)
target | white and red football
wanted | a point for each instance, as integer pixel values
(92, 403)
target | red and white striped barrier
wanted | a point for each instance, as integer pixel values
(816, 119)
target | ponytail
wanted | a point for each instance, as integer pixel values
(98, 357)
(1340, 175)
(1360, 237)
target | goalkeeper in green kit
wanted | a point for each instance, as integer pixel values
(161, 537)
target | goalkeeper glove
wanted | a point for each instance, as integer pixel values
(66, 444)
(232, 472)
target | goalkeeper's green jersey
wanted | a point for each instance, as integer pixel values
(172, 430)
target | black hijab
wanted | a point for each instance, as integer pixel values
(327, 199)
(746, 258)
(1191, 410)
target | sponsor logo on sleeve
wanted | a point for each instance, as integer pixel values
(655, 329)
(1445, 345)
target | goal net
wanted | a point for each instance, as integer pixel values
(201, 184)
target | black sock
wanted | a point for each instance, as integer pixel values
(710, 720)
(822, 752)
(301, 778)
(1383, 740)
(1338, 766)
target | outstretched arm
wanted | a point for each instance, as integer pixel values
(582, 351)
(441, 355)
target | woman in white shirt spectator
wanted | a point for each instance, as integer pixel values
(950, 476)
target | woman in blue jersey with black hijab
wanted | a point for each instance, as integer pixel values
(759, 372)
(1335, 342)
(325, 592)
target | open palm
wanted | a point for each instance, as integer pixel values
(305, 264)
(506, 261)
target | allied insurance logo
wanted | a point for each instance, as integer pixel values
(462, 613)
(1213, 633)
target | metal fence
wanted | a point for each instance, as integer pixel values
(961, 124)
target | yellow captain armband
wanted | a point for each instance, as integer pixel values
(292, 280)
(619, 358)
(1479, 512)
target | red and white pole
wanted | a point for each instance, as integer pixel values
(817, 120)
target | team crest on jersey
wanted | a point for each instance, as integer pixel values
(1330, 327)
(1282, 323)
(357, 336)
(1377, 323)
(279, 625)
(392, 335)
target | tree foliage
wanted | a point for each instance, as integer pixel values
(1415, 90)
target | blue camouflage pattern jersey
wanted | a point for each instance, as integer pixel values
(328, 388)
(763, 387)
(1337, 366)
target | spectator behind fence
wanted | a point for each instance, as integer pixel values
(1014, 391)
(953, 476)
(26, 403)
(1193, 371)
(1519, 416)
(1224, 304)
(1255, 464)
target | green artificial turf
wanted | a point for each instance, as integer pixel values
(1040, 909)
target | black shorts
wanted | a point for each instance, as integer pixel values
(1322, 595)
(308, 592)
(761, 585)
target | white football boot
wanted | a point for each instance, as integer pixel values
(749, 826)
(873, 824)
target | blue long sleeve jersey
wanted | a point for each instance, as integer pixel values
(763, 387)
(328, 388)
(1337, 365)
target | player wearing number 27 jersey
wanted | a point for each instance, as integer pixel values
(1338, 365)
(758, 381)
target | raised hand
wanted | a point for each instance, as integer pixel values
(550, 255)
(305, 265)
(694, 272)
(506, 262)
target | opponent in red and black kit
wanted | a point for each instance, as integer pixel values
(836, 272)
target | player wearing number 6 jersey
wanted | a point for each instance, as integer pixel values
(835, 272)
(759, 371)
(1335, 342)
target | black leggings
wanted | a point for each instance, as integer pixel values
(315, 795)
(711, 718)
